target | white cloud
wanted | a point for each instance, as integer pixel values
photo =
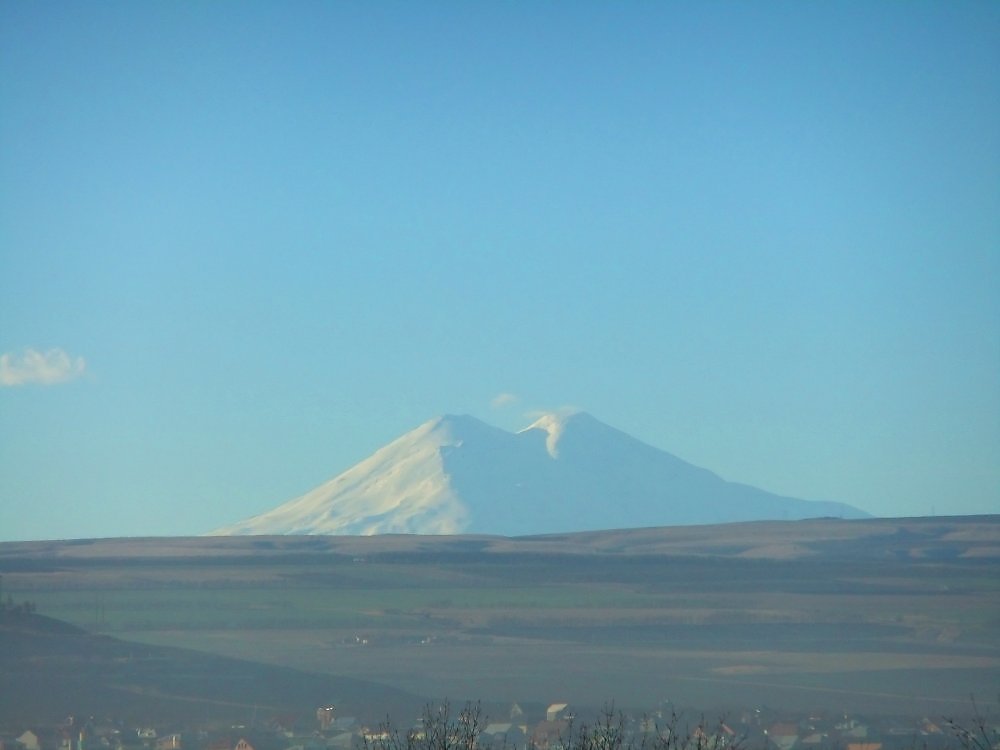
(33, 366)
(502, 400)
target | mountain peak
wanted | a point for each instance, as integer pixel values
(451, 427)
(567, 471)
(558, 419)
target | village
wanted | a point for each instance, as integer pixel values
(560, 728)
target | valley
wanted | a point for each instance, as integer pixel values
(880, 615)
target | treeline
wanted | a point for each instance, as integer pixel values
(441, 729)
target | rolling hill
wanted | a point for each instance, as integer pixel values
(50, 669)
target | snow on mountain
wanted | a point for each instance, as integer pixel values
(401, 488)
(456, 474)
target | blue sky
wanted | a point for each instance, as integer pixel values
(242, 245)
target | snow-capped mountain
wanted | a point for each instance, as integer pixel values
(456, 474)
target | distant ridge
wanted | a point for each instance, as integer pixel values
(457, 474)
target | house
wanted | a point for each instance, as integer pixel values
(258, 742)
(556, 712)
(290, 725)
(169, 742)
(326, 715)
(503, 735)
(45, 739)
(929, 727)
(308, 743)
(344, 724)
(721, 738)
(550, 735)
(783, 736)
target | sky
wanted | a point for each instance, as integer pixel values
(245, 244)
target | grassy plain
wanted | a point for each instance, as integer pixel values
(881, 616)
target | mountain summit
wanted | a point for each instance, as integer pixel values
(457, 474)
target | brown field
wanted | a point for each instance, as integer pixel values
(884, 616)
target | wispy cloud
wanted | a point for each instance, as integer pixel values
(33, 366)
(502, 400)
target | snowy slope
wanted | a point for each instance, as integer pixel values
(456, 474)
(401, 488)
